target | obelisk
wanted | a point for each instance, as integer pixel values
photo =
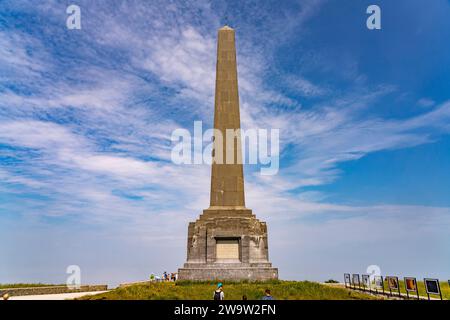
(227, 242)
(227, 179)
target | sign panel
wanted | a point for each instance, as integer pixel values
(356, 280)
(432, 286)
(411, 284)
(393, 283)
(378, 282)
(366, 280)
(347, 280)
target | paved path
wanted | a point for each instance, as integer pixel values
(59, 296)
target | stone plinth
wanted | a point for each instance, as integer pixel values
(208, 272)
(239, 225)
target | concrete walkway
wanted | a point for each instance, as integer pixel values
(59, 296)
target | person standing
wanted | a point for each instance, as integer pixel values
(218, 293)
(267, 295)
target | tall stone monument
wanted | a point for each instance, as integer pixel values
(227, 242)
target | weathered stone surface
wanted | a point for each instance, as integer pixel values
(228, 273)
(227, 218)
(227, 180)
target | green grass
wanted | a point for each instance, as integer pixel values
(26, 285)
(185, 290)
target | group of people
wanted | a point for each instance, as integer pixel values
(165, 277)
(220, 295)
(170, 277)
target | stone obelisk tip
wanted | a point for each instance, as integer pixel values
(226, 27)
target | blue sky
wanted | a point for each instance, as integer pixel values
(86, 118)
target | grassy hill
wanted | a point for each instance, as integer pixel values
(185, 290)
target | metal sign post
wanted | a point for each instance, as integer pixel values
(432, 286)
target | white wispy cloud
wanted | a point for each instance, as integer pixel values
(183, 57)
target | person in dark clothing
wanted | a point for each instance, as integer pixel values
(267, 295)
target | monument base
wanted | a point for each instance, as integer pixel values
(226, 272)
(227, 244)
